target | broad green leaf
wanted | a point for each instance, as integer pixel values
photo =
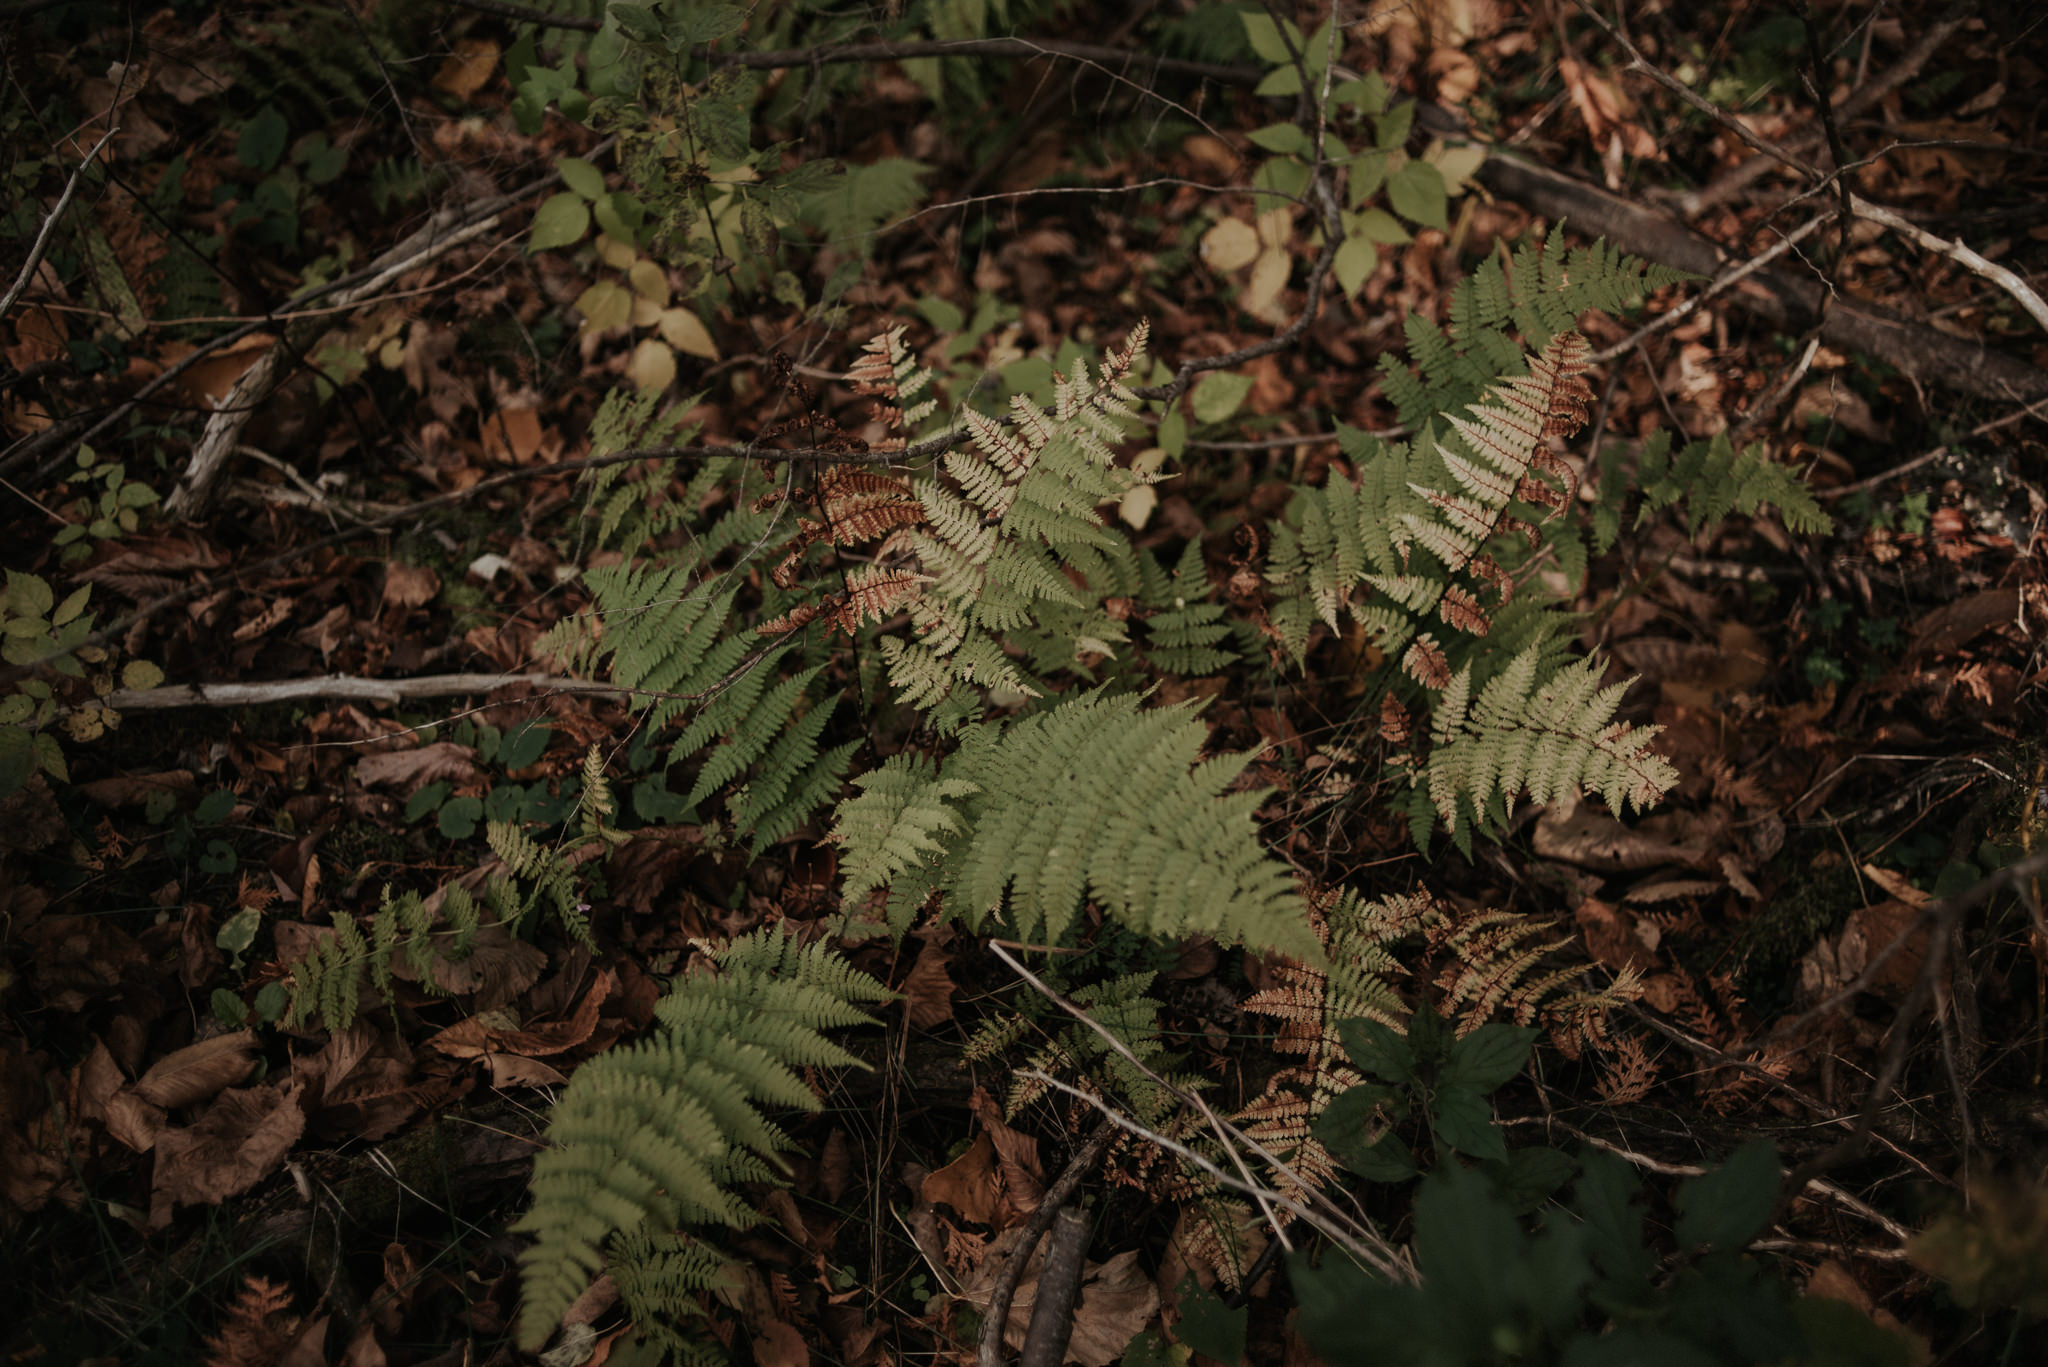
(215, 807)
(1377, 1048)
(1467, 1245)
(263, 139)
(582, 177)
(28, 595)
(1282, 137)
(1173, 433)
(1464, 1120)
(1354, 264)
(1281, 80)
(74, 603)
(1209, 1326)
(1417, 193)
(1726, 1207)
(1264, 36)
(524, 745)
(1489, 1056)
(427, 799)
(1392, 127)
(459, 816)
(560, 220)
(238, 932)
(1377, 225)
(1217, 395)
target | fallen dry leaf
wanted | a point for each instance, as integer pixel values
(242, 1139)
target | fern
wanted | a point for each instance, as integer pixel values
(1093, 797)
(657, 1133)
(328, 980)
(1539, 294)
(1544, 739)
(1712, 480)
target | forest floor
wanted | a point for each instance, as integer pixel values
(1833, 921)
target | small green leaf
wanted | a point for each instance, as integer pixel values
(215, 807)
(561, 219)
(1281, 80)
(1489, 1056)
(141, 675)
(219, 858)
(1392, 126)
(1531, 1176)
(582, 177)
(263, 138)
(71, 606)
(1282, 137)
(1377, 225)
(459, 816)
(523, 745)
(1417, 193)
(1264, 36)
(229, 1009)
(238, 932)
(1173, 433)
(1218, 394)
(271, 1000)
(426, 799)
(28, 595)
(1726, 1207)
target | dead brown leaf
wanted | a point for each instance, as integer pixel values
(242, 1139)
(411, 770)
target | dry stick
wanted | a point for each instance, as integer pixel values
(1059, 1285)
(833, 53)
(1361, 1239)
(49, 229)
(1860, 102)
(1216, 1125)
(448, 220)
(223, 432)
(1726, 279)
(1818, 1185)
(1956, 251)
(990, 1351)
(342, 687)
(1926, 457)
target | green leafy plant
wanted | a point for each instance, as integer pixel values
(657, 1133)
(1584, 1289)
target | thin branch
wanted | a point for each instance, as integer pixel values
(1956, 251)
(42, 242)
(997, 1314)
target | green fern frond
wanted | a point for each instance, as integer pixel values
(328, 979)
(1546, 738)
(1538, 295)
(1094, 797)
(657, 1133)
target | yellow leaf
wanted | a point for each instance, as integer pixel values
(1137, 505)
(686, 334)
(653, 365)
(604, 306)
(1269, 276)
(1230, 246)
(1276, 226)
(466, 71)
(646, 313)
(141, 674)
(649, 281)
(620, 256)
(1457, 163)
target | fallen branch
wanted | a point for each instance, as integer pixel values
(339, 687)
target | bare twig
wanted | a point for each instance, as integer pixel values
(42, 242)
(1956, 251)
(1059, 1285)
(343, 688)
(997, 1314)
